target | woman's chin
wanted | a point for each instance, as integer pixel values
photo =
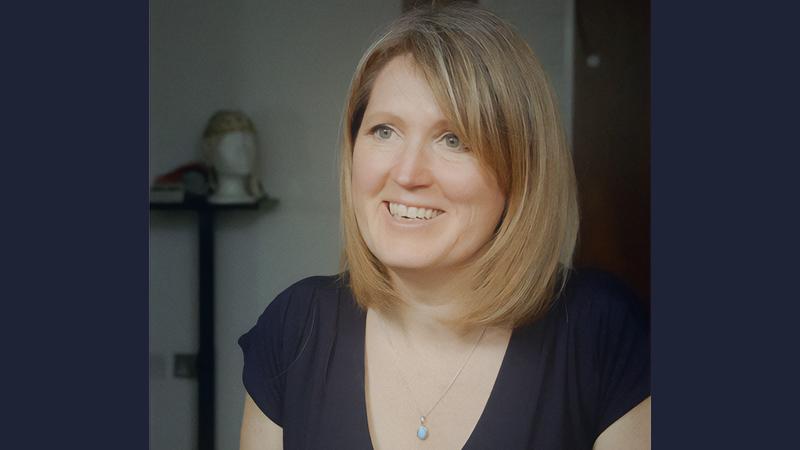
(410, 264)
(401, 265)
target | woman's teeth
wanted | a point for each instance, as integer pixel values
(412, 212)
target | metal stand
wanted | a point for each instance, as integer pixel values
(206, 354)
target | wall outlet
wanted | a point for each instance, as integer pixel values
(185, 365)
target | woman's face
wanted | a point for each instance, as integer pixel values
(422, 200)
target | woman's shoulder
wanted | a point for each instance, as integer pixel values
(284, 326)
(592, 294)
(273, 345)
(609, 329)
(294, 311)
(317, 284)
(305, 293)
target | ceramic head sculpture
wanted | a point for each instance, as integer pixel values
(229, 147)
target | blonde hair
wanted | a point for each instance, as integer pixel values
(493, 90)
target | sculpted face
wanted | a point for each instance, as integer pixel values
(235, 153)
(422, 199)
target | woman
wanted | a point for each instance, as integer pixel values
(457, 322)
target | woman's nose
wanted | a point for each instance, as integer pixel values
(412, 167)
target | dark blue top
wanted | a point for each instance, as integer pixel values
(563, 380)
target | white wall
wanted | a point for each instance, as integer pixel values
(287, 65)
(548, 27)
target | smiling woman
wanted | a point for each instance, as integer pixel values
(468, 79)
(457, 321)
(409, 165)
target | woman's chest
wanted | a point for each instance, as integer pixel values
(344, 392)
(450, 393)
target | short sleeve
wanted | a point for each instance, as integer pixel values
(270, 347)
(624, 356)
(614, 334)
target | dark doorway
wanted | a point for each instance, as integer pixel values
(611, 138)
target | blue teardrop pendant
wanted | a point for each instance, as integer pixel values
(422, 431)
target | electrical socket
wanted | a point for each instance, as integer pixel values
(185, 365)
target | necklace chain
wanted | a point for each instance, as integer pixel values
(405, 382)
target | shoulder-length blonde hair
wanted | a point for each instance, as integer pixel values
(493, 90)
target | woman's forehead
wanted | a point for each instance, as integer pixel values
(402, 92)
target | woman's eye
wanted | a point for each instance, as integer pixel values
(452, 141)
(382, 132)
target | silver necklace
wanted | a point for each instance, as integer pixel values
(422, 431)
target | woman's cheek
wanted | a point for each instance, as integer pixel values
(368, 173)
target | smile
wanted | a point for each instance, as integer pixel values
(400, 210)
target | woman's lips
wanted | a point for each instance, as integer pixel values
(409, 214)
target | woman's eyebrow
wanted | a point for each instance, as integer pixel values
(389, 117)
(383, 116)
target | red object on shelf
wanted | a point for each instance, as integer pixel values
(176, 175)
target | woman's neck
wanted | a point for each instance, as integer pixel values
(429, 304)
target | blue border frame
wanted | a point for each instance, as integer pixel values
(74, 230)
(75, 225)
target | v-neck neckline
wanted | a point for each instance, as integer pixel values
(484, 424)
